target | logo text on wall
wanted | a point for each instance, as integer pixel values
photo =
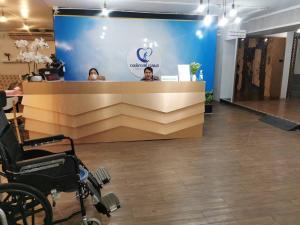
(140, 58)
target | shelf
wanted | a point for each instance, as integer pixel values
(12, 62)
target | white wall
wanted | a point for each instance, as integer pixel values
(287, 63)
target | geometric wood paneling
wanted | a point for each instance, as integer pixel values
(142, 114)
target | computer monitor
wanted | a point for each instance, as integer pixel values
(184, 72)
(169, 78)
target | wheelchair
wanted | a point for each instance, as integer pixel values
(34, 176)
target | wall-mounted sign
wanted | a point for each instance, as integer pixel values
(140, 58)
(235, 34)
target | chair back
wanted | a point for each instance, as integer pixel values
(10, 150)
(10, 103)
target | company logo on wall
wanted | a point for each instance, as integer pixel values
(140, 58)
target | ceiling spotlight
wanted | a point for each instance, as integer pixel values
(201, 7)
(238, 20)
(266, 39)
(298, 31)
(104, 27)
(105, 12)
(3, 19)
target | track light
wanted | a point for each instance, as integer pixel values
(201, 7)
(3, 19)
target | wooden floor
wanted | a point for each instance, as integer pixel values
(289, 110)
(242, 172)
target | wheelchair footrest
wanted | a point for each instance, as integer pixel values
(108, 204)
(102, 176)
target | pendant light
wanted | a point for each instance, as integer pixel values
(3, 19)
(105, 12)
(233, 11)
(223, 21)
(201, 7)
(208, 18)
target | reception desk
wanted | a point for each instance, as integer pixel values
(92, 112)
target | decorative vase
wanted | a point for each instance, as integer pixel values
(194, 77)
(36, 78)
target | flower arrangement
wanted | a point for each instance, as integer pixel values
(195, 67)
(30, 53)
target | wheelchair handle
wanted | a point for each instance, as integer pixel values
(3, 217)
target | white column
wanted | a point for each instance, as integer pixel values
(287, 64)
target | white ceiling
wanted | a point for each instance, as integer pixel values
(40, 11)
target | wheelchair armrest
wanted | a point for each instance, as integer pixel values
(44, 140)
(41, 163)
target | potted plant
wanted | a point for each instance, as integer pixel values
(30, 53)
(194, 69)
(209, 98)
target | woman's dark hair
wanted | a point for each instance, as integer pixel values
(13, 85)
(148, 68)
(93, 69)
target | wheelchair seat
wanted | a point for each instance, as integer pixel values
(50, 173)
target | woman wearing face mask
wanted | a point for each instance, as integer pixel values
(94, 75)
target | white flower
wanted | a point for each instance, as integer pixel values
(47, 59)
(33, 55)
(21, 43)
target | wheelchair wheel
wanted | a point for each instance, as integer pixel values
(92, 221)
(24, 205)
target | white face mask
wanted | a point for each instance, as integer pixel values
(93, 76)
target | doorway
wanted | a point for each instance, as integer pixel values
(259, 68)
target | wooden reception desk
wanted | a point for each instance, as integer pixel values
(92, 112)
